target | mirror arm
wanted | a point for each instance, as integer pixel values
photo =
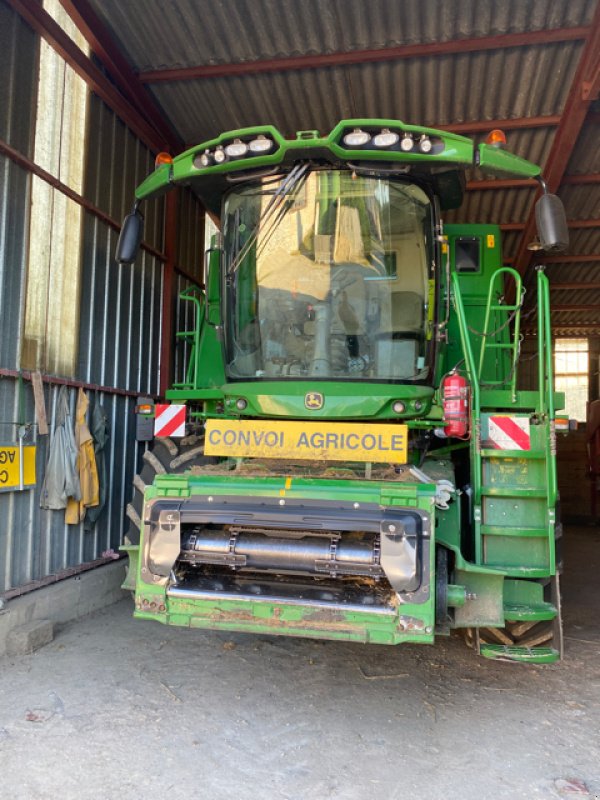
(543, 184)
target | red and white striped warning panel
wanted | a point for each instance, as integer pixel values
(169, 420)
(509, 433)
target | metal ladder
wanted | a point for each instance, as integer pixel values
(514, 491)
(496, 333)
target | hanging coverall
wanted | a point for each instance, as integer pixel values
(99, 430)
(86, 465)
(61, 480)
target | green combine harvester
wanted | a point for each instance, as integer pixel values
(359, 462)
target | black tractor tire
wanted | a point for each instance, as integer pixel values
(164, 457)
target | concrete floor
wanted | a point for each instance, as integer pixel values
(118, 708)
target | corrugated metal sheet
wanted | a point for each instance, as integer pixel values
(429, 91)
(18, 57)
(120, 318)
(116, 163)
(586, 156)
(190, 231)
(573, 273)
(18, 53)
(470, 86)
(14, 200)
(581, 202)
(119, 326)
(576, 297)
(192, 32)
(34, 542)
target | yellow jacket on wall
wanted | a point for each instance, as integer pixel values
(86, 466)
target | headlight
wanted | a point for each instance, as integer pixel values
(357, 138)
(219, 155)
(237, 149)
(406, 143)
(261, 145)
(386, 138)
(398, 407)
(425, 144)
(204, 160)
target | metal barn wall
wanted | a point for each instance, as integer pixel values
(120, 316)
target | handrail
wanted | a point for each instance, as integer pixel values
(546, 380)
(474, 382)
(465, 339)
(195, 295)
(514, 346)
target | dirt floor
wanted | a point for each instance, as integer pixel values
(115, 708)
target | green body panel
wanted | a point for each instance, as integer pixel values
(341, 400)
(499, 543)
(409, 622)
(458, 152)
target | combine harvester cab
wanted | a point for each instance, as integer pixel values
(358, 463)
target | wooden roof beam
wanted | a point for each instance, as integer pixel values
(592, 258)
(574, 308)
(574, 224)
(519, 183)
(515, 124)
(567, 287)
(566, 330)
(325, 60)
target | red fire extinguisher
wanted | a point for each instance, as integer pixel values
(455, 403)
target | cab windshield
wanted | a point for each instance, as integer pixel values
(327, 277)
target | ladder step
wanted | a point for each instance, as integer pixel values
(493, 453)
(514, 612)
(531, 655)
(513, 491)
(500, 346)
(516, 571)
(504, 308)
(500, 530)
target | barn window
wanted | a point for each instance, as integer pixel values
(571, 367)
(53, 281)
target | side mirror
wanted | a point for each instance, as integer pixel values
(130, 238)
(552, 224)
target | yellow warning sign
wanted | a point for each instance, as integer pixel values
(327, 441)
(9, 467)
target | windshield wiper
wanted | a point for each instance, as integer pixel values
(276, 208)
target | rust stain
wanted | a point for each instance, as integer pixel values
(324, 620)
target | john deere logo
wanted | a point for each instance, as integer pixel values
(313, 401)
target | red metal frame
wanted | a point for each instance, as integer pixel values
(565, 287)
(30, 166)
(568, 308)
(101, 43)
(574, 224)
(323, 60)
(43, 24)
(92, 387)
(584, 87)
(569, 259)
